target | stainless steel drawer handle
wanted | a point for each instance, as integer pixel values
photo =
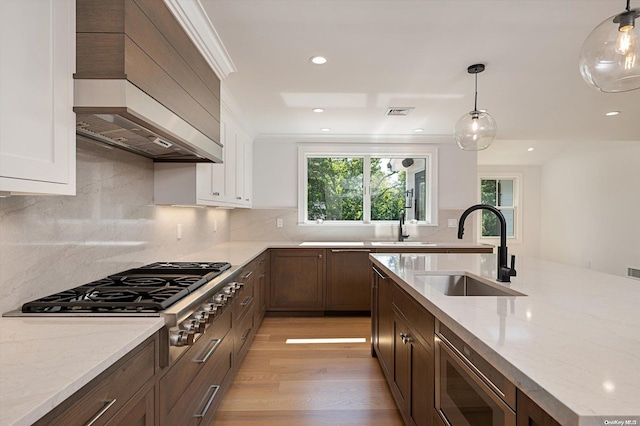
(379, 273)
(246, 333)
(209, 401)
(248, 274)
(246, 301)
(209, 352)
(107, 405)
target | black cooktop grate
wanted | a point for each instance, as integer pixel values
(151, 288)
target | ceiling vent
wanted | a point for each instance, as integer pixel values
(399, 110)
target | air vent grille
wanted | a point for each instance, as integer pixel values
(399, 110)
(633, 272)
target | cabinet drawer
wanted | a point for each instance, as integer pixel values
(203, 395)
(421, 320)
(203, 352)
(243, 300)
(244, 330)
(102, 398)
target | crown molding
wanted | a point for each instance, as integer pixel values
(196, 23)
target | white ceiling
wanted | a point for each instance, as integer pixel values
(415, 53)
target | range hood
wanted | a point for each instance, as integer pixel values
(142, 85)
(119, 114)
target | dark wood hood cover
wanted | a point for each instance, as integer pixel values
(141, 41)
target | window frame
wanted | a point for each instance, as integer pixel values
(517, 205)
(429, 153)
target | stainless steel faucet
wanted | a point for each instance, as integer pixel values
(504, 272)
(401, 236)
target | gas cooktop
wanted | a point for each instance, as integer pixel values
(151, 288)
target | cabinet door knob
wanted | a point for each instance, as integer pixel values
(405, 338)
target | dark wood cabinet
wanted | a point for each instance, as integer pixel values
(140, 411)
(297, 280)
(348, 286)
(260, 266)
(413, 366)
(188, 381)
(382, 320)
(402, 334)
(528, 413)
(122, 393)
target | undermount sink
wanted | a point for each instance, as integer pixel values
(464, 285)
(402, 243)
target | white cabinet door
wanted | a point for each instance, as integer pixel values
(239, 169)
(248, 173)
(37, 123)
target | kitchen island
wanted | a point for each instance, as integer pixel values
(571, 342)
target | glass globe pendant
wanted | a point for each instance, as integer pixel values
(610, 56)
(476, 130)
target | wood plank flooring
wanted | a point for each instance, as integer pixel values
(309, 384)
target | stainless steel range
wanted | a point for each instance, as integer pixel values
(188, 295)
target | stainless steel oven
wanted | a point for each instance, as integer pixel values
(469, 391)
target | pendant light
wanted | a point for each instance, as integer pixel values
(610, 56)
(476, 130)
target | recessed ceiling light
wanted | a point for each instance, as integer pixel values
(325, 129)
(612, 113)
(418, 130)
(318, 110)
(530, 149)
(318, 60)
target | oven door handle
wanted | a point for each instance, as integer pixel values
(477, 376)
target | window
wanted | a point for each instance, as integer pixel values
(501, 192)
(364, 188)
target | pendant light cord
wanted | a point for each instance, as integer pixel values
(628, 5)
(475, 102)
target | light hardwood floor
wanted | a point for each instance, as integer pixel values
(309, 384)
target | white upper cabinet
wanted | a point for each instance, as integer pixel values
(223, 185)
(37, 123)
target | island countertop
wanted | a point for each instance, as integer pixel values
(572, 343)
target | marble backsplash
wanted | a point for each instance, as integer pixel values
(260, 225)
(52, 243)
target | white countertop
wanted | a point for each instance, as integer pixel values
(43, 361)
(572, 344)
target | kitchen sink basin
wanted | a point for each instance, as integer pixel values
(464, 285)
(403, 243)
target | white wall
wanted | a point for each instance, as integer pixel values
(530, 206)
(591, 206)
(53, 243)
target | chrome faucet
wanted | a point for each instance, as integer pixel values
(504, 272)
(401, 236)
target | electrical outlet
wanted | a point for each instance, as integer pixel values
(179, 231)
(279, 223)
(453, 223)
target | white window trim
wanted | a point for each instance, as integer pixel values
(430, 153)
(517, 206)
